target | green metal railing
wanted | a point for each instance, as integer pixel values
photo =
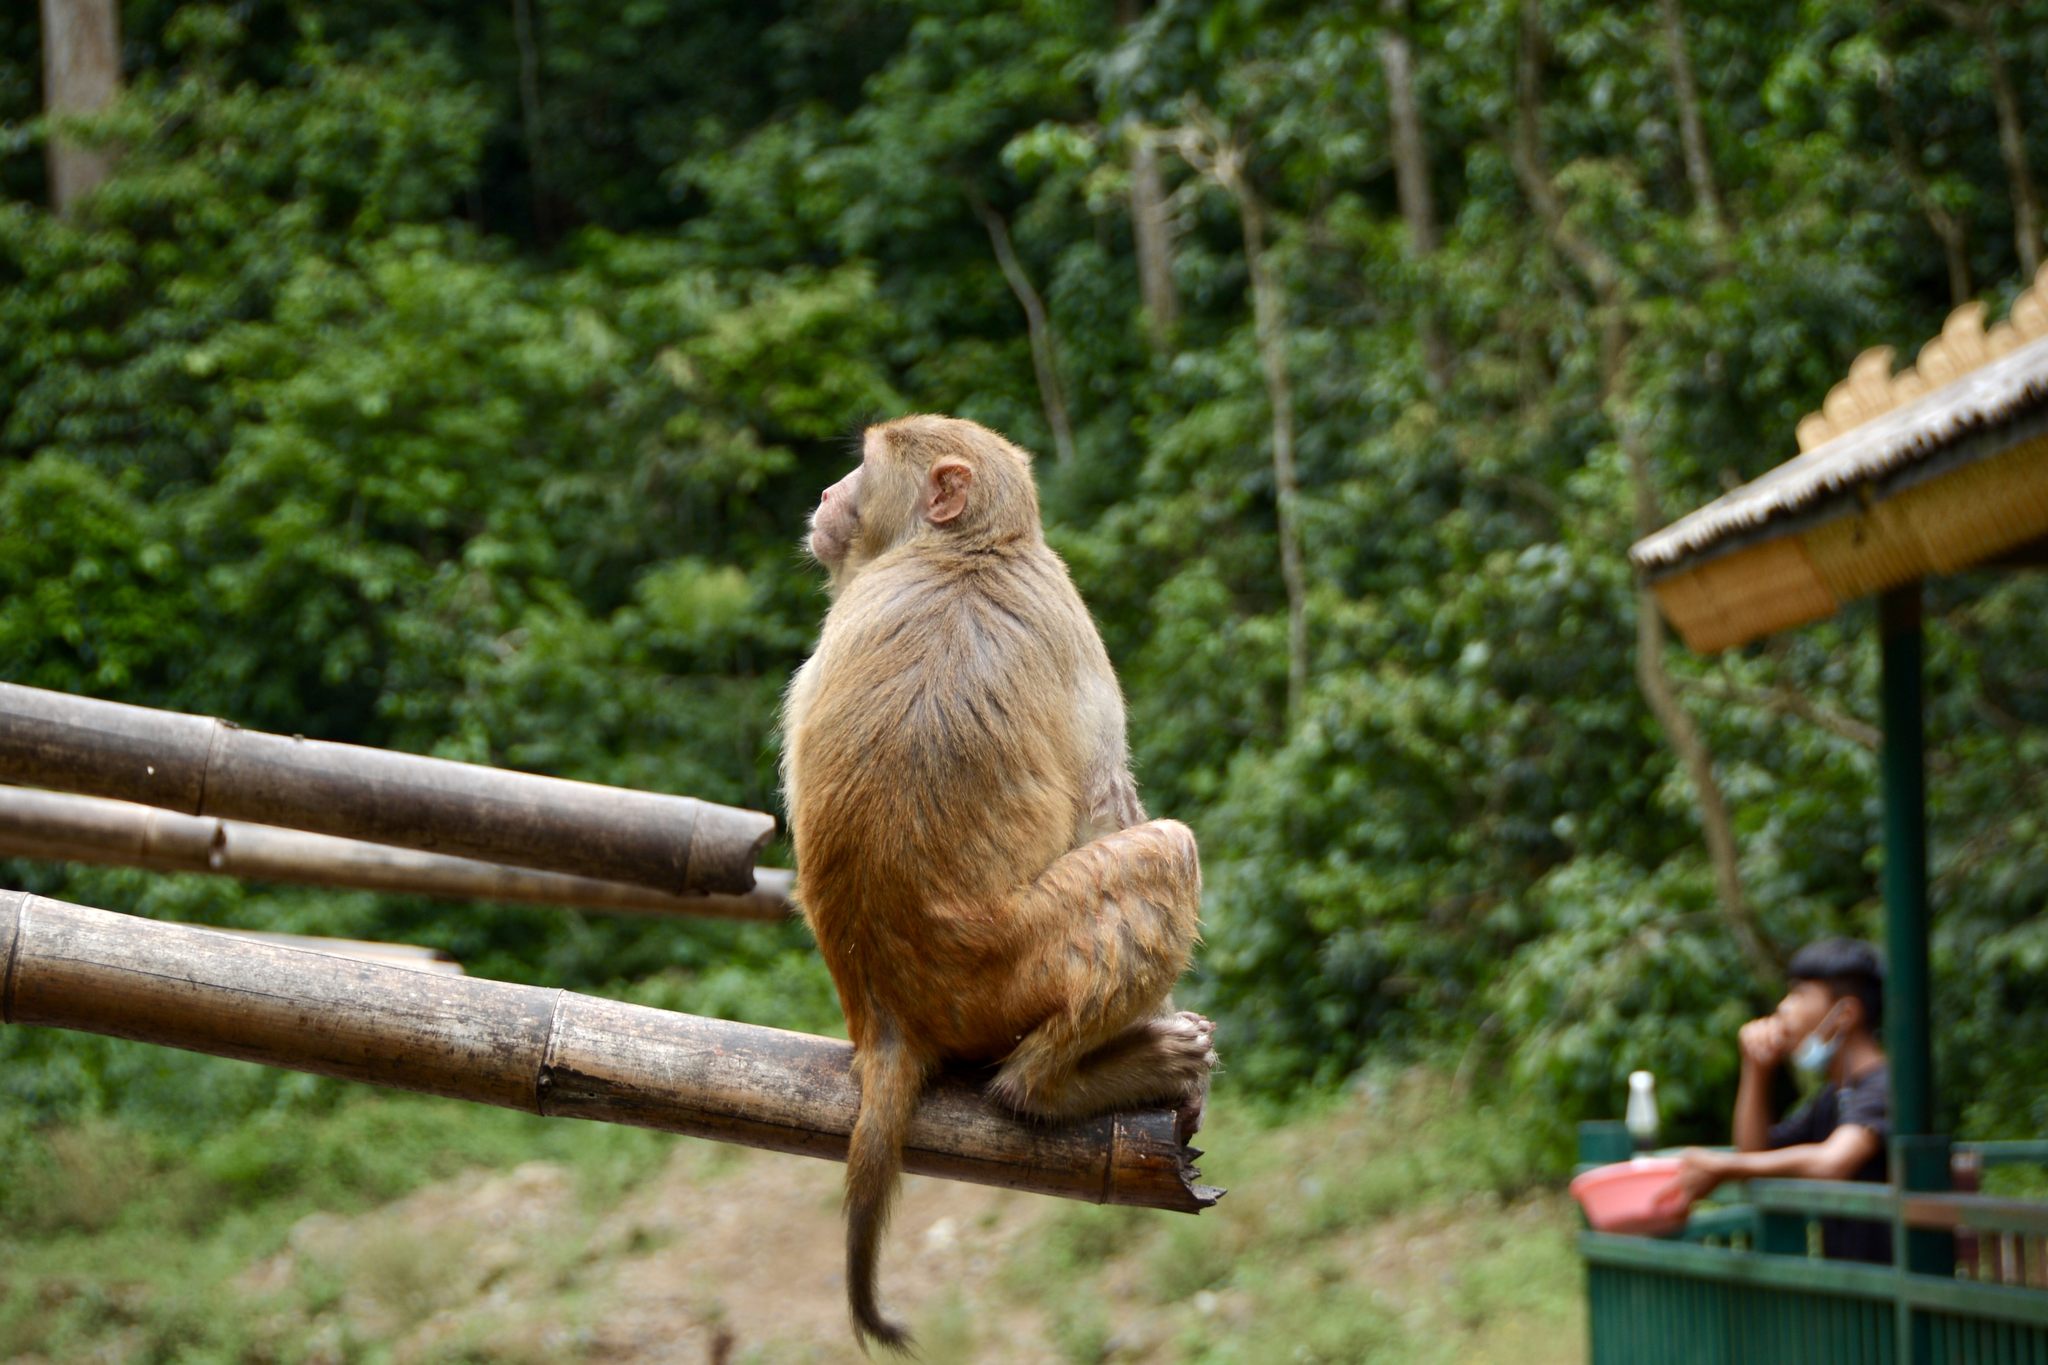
(1743, 1285)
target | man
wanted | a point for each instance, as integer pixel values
(1825, 1026)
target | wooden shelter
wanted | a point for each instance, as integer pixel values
(1937, 468)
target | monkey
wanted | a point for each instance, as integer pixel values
(971, 853)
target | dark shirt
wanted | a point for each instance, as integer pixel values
(1866, 1102)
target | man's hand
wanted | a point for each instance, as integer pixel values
(1763, 1043)
(1700, 1173)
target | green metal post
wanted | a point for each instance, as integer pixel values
(1905, 867)
(1602, 1141)
(1921, 1165)
(1908, 1030)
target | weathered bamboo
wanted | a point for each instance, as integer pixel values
(543, 1051)
(200, 766)
(94, 829)
(410, 956)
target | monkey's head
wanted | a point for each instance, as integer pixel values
(942, 479)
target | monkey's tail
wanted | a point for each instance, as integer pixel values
(891, 1080)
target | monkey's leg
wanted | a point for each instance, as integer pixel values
(1104, 934)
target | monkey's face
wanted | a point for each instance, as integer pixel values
(836, 521)
(922, 475)
(868, 511)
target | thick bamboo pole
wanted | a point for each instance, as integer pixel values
(94, 829)
(543, 1051)
(410, 956)
(200, 766)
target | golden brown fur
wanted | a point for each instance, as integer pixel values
(970, 847)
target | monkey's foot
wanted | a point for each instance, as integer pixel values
(1189, 1040)
(1161, 1061)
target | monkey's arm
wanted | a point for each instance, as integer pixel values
(1115, 805)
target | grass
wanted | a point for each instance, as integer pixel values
(128, 1245)
(1400, 1223)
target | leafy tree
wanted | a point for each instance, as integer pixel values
(459, 382)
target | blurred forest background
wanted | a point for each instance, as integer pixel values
(456, 379)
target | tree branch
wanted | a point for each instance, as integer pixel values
(1979, 23)
(530, 111)
(1221, 157)
(1411, 181)
(1787, 701)
(1699, 165)
(1948, 229)
(1037, 326)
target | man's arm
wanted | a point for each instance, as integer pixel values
(1753, 1108)
(1763, 1047)
(1839, 1156)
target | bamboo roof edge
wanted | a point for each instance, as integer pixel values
(1878, 430)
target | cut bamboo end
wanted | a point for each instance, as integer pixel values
(94, 829)
(544, 1051)
(200, 766)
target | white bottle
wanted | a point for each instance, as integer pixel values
(1641, 1116)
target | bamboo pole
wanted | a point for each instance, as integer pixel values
(544, 1051)
(200, 766)
(410, 956)
(94, 829)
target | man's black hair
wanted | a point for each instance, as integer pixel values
(1847, 967)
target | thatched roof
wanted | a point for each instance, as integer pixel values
(1927, 471)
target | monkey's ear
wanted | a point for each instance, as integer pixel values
(945, 491)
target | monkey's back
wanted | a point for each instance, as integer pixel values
(939, 764)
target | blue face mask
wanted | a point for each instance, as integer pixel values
(1814, 1053)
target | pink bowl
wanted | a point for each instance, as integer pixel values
(1633, 1196)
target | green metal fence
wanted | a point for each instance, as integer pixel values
(1743, 1285)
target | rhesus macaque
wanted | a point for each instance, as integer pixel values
(970, 849)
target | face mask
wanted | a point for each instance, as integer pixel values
(1814, 1052)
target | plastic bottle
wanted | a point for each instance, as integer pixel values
(1641, 1115)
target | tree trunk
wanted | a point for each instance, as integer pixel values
(81, 73)
(2012, 144)
(531, 121)
(1605, 277)
(1216, 154)
(1151, 225)
(1658, 689)
(1411, 181)
(1271, 329)
(1949, 229)
(1045, 360)
(1699, 165)
(1152, 230)
(1982, 24)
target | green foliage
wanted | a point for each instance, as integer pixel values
(459, 384)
